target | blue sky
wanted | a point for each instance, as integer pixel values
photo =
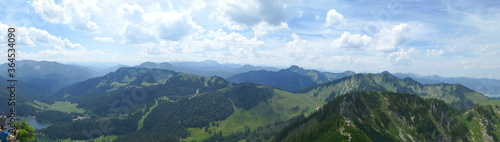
(450, 38)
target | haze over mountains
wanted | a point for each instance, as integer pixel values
(159, 102)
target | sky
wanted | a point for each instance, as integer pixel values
(450, 38)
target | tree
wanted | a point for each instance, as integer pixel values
(25, 131)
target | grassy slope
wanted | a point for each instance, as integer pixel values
(277, 109)
(141, 121)
(65, 106)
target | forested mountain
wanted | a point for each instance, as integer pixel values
(457, 95)
(21, 98)
(485, 86)
(388, 116)
(47, 77)
(291, 79)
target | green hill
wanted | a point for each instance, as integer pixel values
(387, 116)
(457, 95)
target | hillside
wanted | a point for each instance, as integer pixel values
(457, 95)
(388, 116)
(489, 87)
(46, 77)
(291, 79)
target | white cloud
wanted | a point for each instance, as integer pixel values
(104, 39)
(299, 49)
(241, 14)
(74, 13)
(173, 25)
(488, 50)
(260, 15)
(402, 57)
(144, 27)
(51, 47)
(33, 37)
(388, 40)
(434, 52)
(334, 19)
(220, 40)
(133, 13)
(352, 41)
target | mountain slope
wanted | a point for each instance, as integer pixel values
(291, 79)
(47, 77)
(489, 87)
(387, 116)
(455, 94)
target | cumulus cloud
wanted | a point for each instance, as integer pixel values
(144, 27)
(402, 57)
(259, 15)
(300, 49)
(241, 14)
(334, 19)
(52, 47)
(133, 13)
(104, 39)
(352, 41)
(220, 40)
(74, 13)
(389, 39)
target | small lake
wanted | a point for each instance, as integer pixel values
(35, 124)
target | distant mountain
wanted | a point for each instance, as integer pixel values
(47, 77)
(457, 95)
(387, 116)
(283, 79)
(489, 87)
(291, 79)
(205, 68)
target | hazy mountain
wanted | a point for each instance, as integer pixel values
(47, 77)
(205, 68)
(291, 79)
(387, 116)
(489, 87)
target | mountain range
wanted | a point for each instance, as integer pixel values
(157, 102)
(165, 105)
(291, 79)
(489, 87)
(205, 68)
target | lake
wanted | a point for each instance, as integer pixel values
(35, 124)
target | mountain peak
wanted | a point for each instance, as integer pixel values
(210, 62)
(295, 68)
(386, 72)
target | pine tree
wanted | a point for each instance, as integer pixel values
(25, 131)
